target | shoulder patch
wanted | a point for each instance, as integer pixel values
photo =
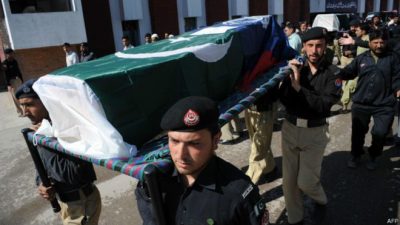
(259, 208)
(247, 191)
(338, 83)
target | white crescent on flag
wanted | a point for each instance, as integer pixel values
(209, 52)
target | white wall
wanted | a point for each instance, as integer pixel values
(275, 7)
(115, 11)
(239, 8)
(129, 10)
(390, 4)
(361, 6)
(144, 23)
(35, 30)
(377, 5)
(317, 6)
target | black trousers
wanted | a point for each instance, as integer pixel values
(144, 206)
(361, 115)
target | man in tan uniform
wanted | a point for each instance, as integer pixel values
(308, 95)
(260, 122)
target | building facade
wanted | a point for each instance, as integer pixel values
(36, 29)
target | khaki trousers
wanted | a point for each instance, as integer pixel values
(260, 126)
(230, 131)
(14, 85)
(349, 86)
(72, 213)
(302, 154)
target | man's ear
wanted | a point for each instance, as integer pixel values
(215, 140)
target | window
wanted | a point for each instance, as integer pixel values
(38, 6)
(190, 23)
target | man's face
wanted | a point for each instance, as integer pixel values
(314, 49)
(66, 49)
(125, 42)
(396, 19)
(303, 27)
(190, 151)
(10, 55)
(353, 29)
(288, 31)
(147, 39)
(34, 109)
(359, 32)
(83, 48)
(377, 46)
(376, 20)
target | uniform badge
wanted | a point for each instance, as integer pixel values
(338, 83)
(191, 118)
(26, 89)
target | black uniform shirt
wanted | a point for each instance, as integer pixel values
(67, 173)
(11, 70)
(221, 195)
(317, 94)
(377, 81)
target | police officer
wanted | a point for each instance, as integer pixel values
(72, 178)
(308, 95)
(378, 72)
(13, 76)
(204, 189)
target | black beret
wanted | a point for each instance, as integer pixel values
(314, 33)
(8, 51)
(26, 90)
(191, 114)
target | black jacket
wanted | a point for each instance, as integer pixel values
(377, 82)
(317, 94)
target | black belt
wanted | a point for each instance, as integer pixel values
(74, 195)
(300, 122)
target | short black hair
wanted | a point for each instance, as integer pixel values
(125, 37)
(8, 51)
(148, 35)
(290, 25)
(365, 27)
(66, 44)
(85, 44)
(376, 34)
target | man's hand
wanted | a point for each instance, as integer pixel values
(346, 40)
(398, 94)
(9, 88)
(47, 193)
(347, 53)
(35, 127)
(296, 66)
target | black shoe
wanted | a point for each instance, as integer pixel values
(268, 177)
(227, 142)
(354, 162)
(319, 213)
(372, 165)
(389, 141)
(298, 223)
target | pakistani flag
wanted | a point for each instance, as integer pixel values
(98, 107)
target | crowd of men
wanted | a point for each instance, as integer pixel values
(205, 189)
